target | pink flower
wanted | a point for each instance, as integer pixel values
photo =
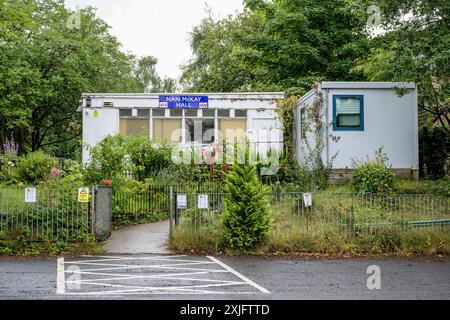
(55, 171)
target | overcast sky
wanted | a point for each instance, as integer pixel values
(157, 27)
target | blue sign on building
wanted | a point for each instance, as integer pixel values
(183, 102)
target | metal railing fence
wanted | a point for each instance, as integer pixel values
(345, 214)
(55, 214)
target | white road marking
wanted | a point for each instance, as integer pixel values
(117, 258)
(165, 288)
(168, 277)
(60, 276)
(144, 259)
(163, 266)
(199, 286)
(237, 274)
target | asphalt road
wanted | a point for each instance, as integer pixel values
(238, 278)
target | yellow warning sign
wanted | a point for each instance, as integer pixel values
(96, 114)
(83, 195)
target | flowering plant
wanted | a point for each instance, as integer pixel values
(55, 171)
(10, 148)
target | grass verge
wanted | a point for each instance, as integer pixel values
(12, 245)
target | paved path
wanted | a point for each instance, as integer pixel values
(145, 238)
(169, 276)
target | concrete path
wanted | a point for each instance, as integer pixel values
(145, 238)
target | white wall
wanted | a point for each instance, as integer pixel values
(96, 129)
(389, 121)
(260, 115)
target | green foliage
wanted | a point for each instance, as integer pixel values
(285, 111)
(279, 45)
(107, 159)
(45, 66)
(34, 167)
(414, 49)
(373, 176)
(436, 187)
(246, 218)
(313, 145)
(18, 244)
(149, 79)
(434, 151)
(136, 154)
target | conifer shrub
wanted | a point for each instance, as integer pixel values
(246, 219)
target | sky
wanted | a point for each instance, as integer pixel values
(158, 27)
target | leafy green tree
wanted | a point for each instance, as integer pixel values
(149, 79)
(45, 65)
(415, 46)
(246, 219)
(278, 45)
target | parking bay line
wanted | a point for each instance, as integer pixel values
(237, 274)
(127, 289)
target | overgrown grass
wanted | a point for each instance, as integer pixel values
(403, 186)
(13, 244)
(335, 224)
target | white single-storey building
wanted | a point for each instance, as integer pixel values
(189, 120)
(364, 116)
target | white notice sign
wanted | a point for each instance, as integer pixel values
(203, 201)
(30, 195)
(181, 201)
(307, 199)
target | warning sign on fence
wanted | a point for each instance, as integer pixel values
(83, 194)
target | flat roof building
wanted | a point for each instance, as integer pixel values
(188, 120)
(359, 118)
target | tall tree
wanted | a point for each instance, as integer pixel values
(415, 46)
(49, 55)
(149, 79)
(278, 45)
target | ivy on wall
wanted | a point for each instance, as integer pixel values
(285, 112)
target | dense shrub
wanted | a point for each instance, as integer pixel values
(135, 154)
(34, 167)
(373, 176)
(246, 218)
(107, 159)
(434, 152)
(145, 156)
(436, 187)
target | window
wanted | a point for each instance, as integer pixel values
(143, 113)
(223, 113)
(231, 129)
(239, 113)
(167, 130)
(348, 113)
(176, 113)
(133, 127)
(125, 113)
(199, 131)
(209, 113)
(190, 112)
(159, 112)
